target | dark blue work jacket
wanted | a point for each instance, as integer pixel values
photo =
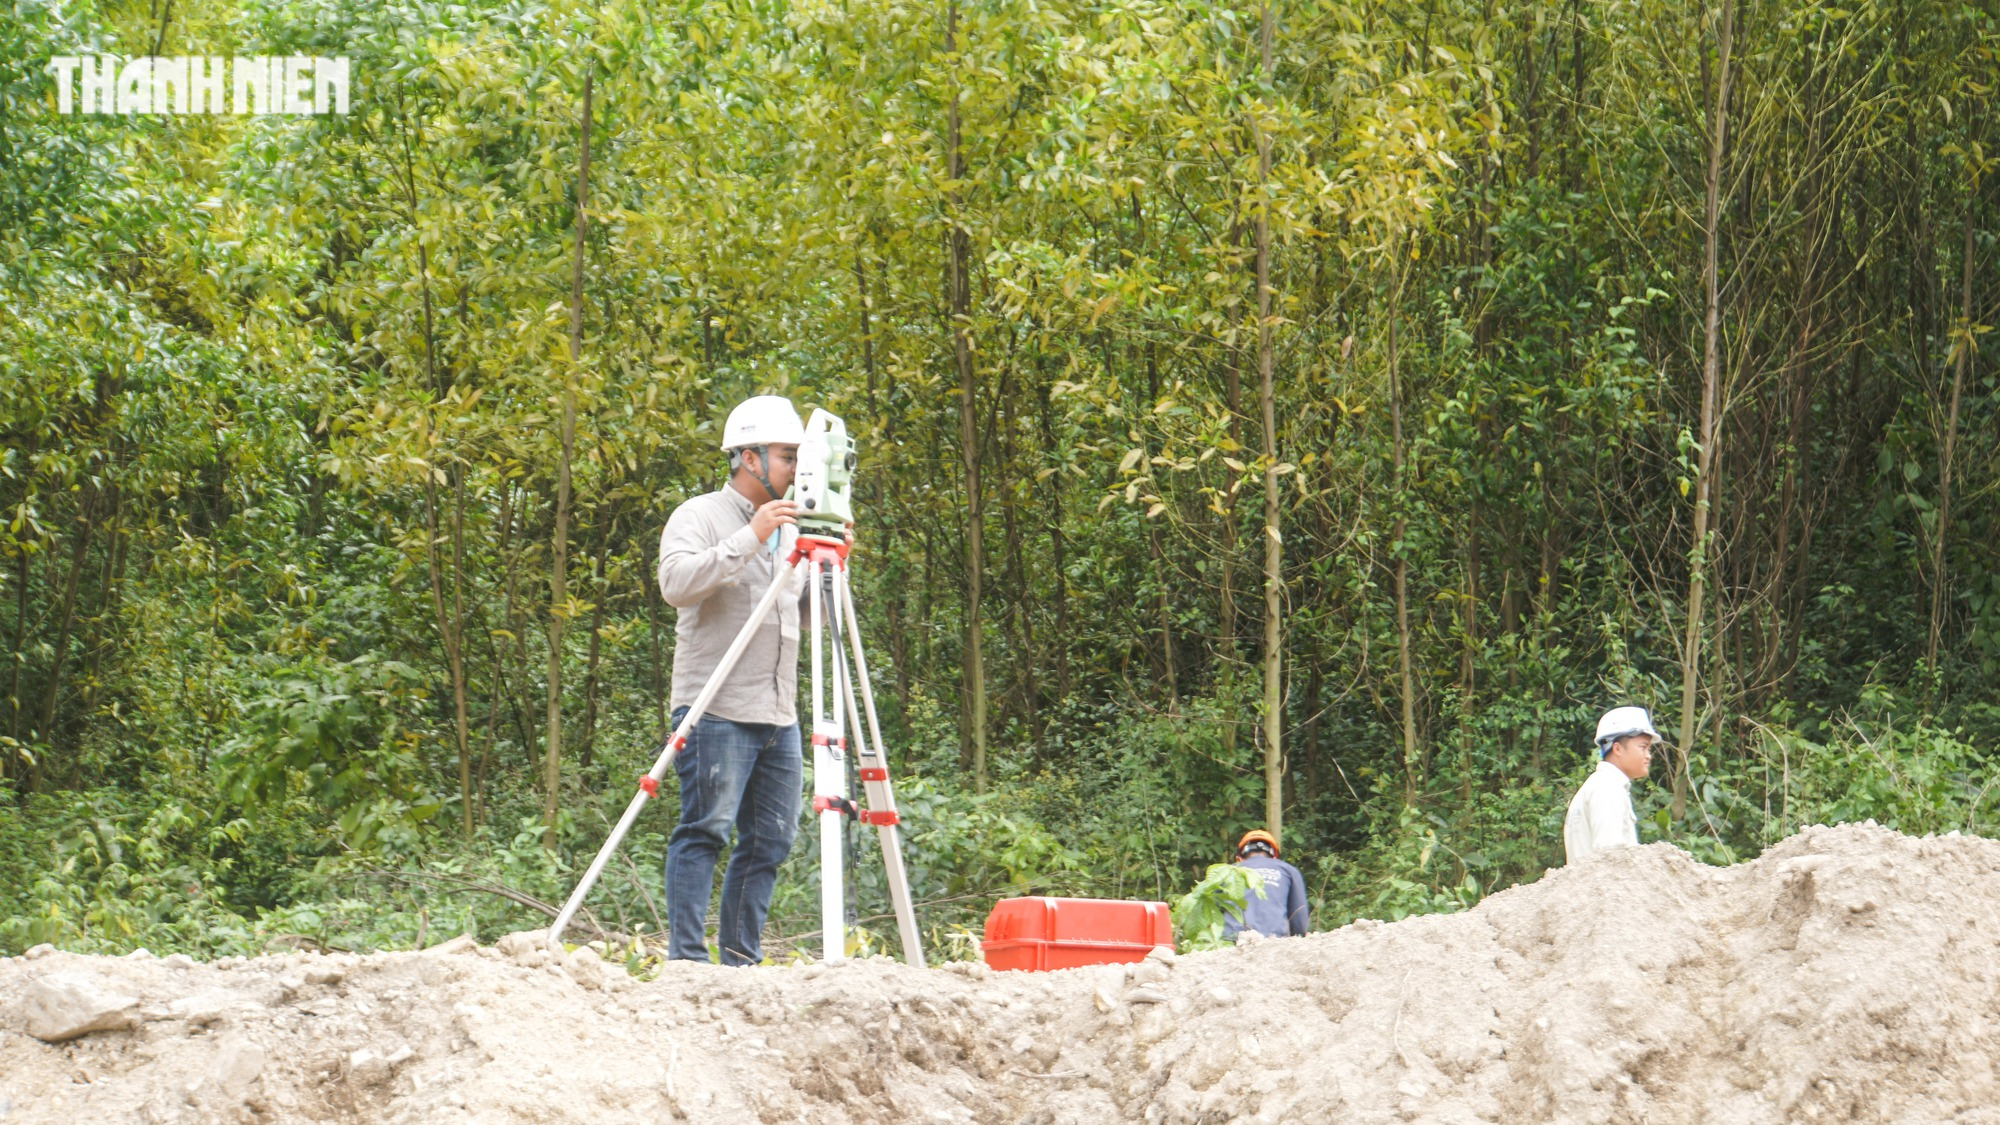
(1282, 911)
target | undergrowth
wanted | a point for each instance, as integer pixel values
(249, 870)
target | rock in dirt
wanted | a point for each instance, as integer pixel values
(367, 1068)
(238, 1062)
(201, 1009)
(586, 967)
(61, 1006)
(522, 941)
(527, 948)
(463, 943)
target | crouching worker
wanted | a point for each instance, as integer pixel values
(742, 765)
(1282, 911)
(1600, 815)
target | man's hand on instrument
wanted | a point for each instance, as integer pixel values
(772, 516)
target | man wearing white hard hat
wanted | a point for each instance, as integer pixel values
(1600, 815)
(742, 765)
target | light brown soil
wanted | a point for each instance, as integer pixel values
(1848, 975)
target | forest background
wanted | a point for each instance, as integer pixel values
(1310, 415)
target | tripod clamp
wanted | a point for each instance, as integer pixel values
(848, 808)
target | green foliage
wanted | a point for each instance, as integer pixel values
(332, 733)
(110, 870)
(1201, 914)
(1407, 870)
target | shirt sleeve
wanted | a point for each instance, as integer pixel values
(1297, 913)
(691, 568)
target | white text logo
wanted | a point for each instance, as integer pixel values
(294, 84)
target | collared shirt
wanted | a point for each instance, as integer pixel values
(714, 571)
(1600, 815)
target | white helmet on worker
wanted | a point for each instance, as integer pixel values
(764, 420)
(1623, 722)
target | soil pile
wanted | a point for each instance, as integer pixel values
(1849, 974)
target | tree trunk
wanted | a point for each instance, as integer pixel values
(450, 625)
(559, 543)
(107, 591)
(1021, 611)
(1962, 360)
(1315, 682)
(20, 649)
(1468, 669)
(1057, 556)
(1226, 648)
(1169, 675)
(601, 593)
(1412, 756)
(659, 664)
(1274, 545)
(66, 620)
(1711, 394)
(867, 328)
(518, 699)
(968, 418)
(1792, 393)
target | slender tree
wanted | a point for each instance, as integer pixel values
(1963, 344)
(1274, 543)
(559, 542)
(960, 282)
(1413, 763)
(1711, 397)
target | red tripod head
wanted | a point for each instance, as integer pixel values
(820, 549)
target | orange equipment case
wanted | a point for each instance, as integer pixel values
(1063, 933)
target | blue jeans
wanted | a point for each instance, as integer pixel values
(750, 775)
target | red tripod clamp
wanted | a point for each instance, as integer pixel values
(820, 549)
(837, 804)
(846, 807)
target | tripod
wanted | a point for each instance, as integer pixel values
(836, 706)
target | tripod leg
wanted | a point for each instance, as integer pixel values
(829, 777)
(842, 706)
(875, 779)
(650, 782)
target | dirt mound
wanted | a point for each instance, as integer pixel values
(1848, 974)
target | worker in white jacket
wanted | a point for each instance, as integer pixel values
(1600, 815)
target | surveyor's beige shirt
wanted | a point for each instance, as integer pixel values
(713, 569)
(1600, 815)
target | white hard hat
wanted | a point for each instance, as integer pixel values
(764, 420)
(1624, 722)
